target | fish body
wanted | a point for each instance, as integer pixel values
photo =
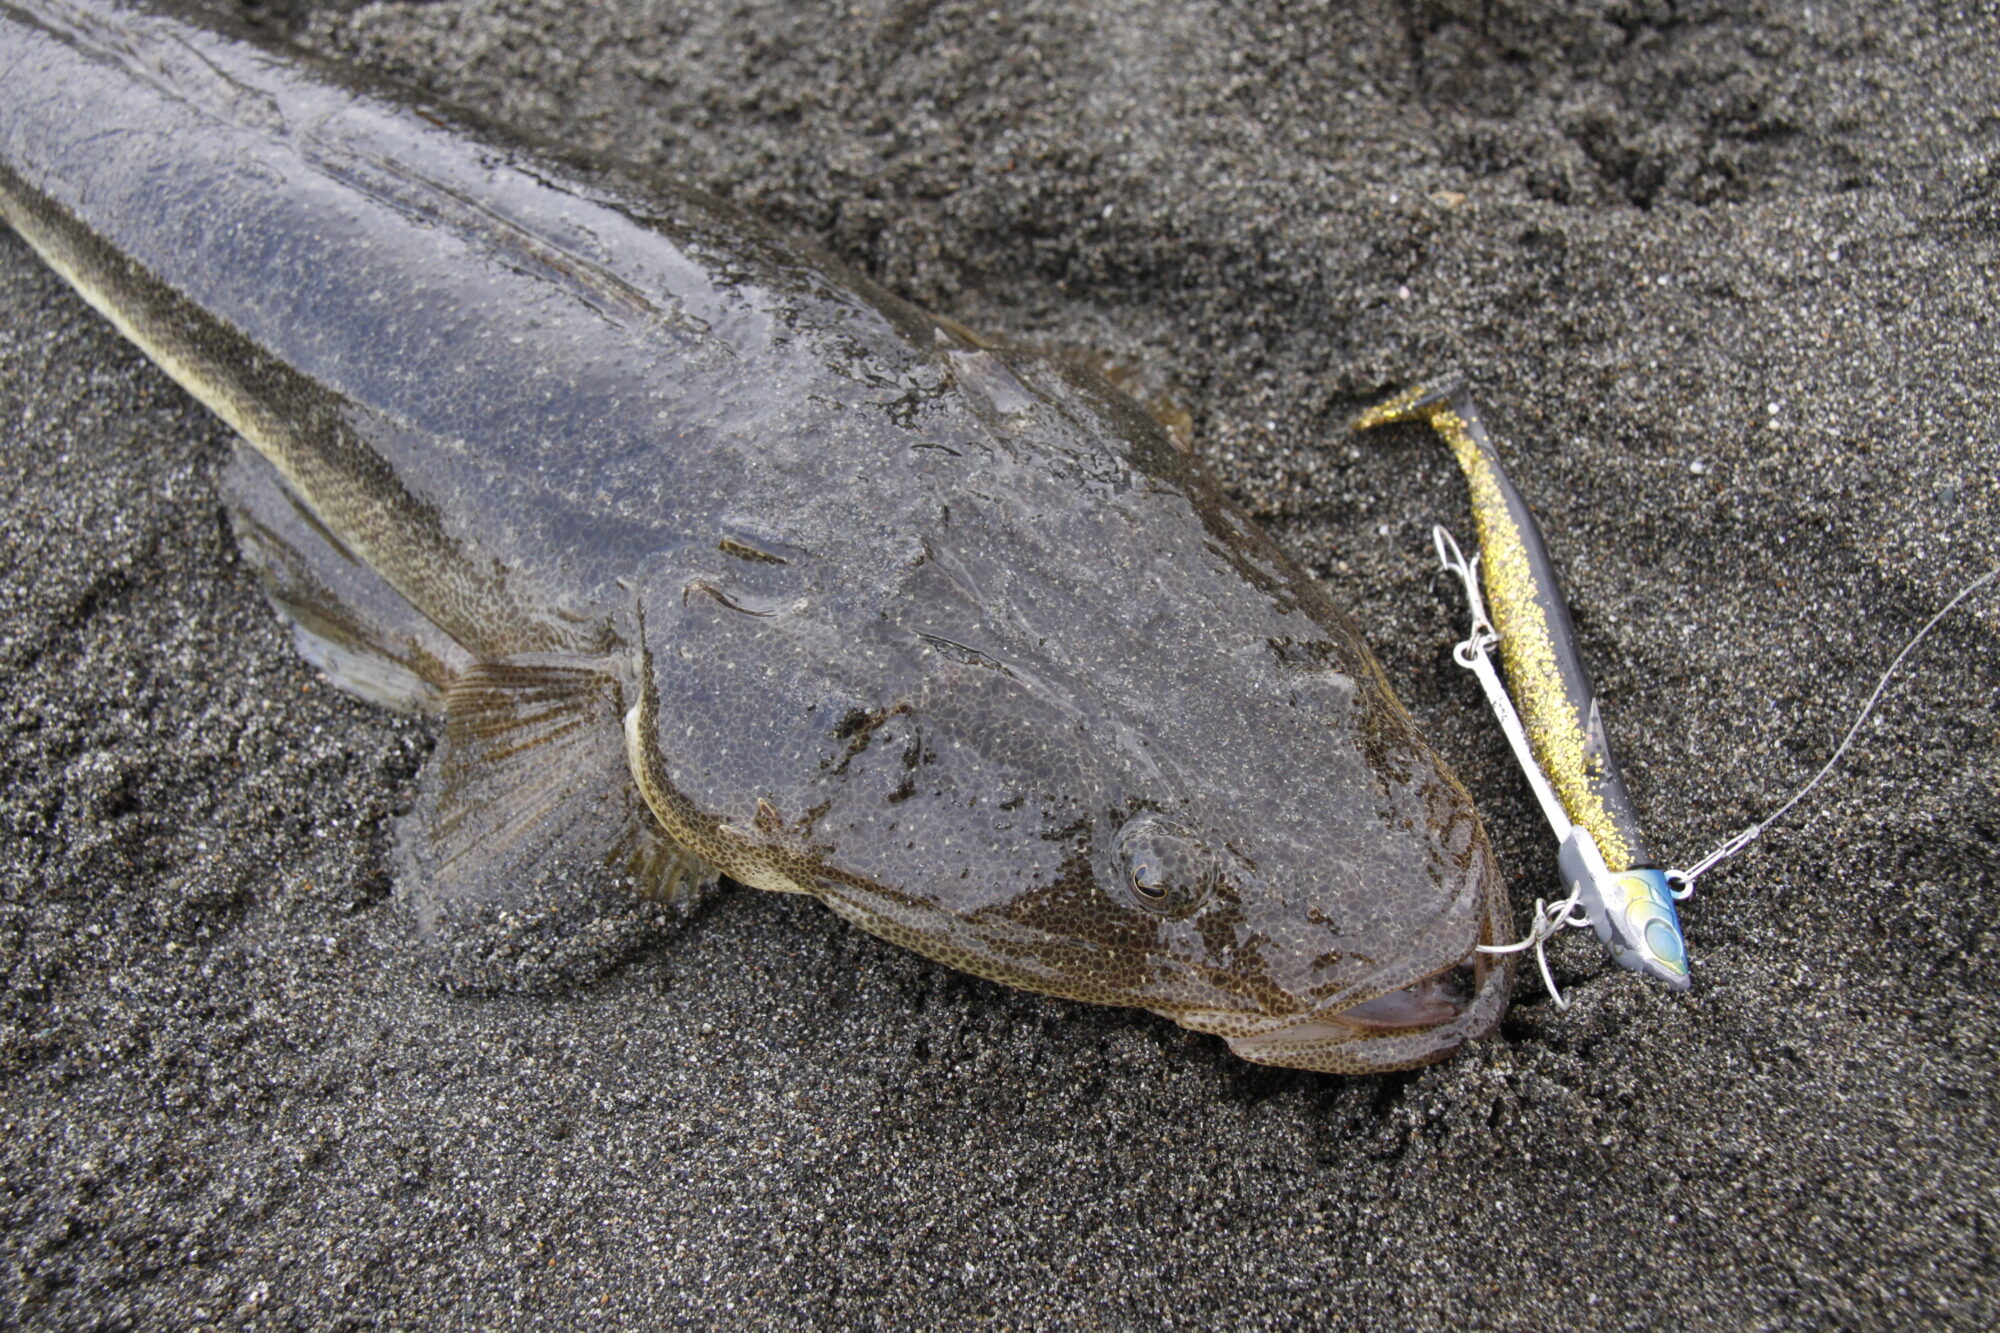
(716, 559)
(1627, 896)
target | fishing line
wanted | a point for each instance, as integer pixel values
(1743, 837)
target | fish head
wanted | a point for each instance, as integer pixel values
(1103, 741)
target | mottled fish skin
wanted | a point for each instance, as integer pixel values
(947, 635)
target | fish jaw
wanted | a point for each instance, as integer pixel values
(1411, 1016)
(1402, 1029)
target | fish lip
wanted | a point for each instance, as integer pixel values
(1414, 1024)
(1417, 1006)
(1333, 1039)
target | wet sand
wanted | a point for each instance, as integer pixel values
(1727, 286)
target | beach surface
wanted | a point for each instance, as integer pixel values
(1727, 280)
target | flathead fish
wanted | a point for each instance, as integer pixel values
(718, 560)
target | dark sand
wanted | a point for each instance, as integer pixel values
(1729, 285)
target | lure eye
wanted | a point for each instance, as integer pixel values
(1168, 869)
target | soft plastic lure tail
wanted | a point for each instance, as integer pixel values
(1557, 734)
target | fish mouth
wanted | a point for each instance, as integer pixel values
(1418, 1024)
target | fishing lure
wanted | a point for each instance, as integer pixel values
(1557, 734)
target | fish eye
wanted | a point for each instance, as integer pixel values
(1169, 870)
(1148, 877)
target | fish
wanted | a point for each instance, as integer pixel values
(720, 563)
(1625, 894)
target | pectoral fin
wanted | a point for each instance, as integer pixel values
(345, 618)
(530, 858)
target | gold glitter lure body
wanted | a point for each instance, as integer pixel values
(1605, 861)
